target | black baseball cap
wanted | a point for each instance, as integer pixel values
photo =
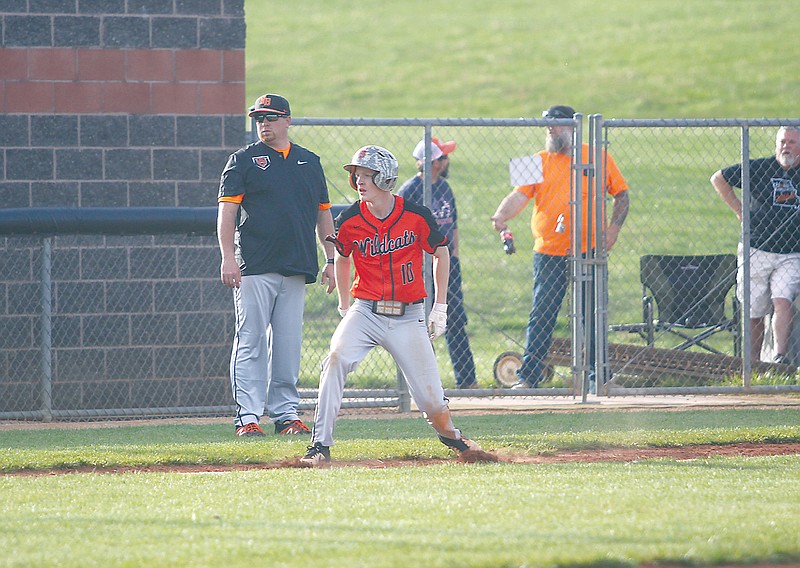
(559, 111)
(273, 104)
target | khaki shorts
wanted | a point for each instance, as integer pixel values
(772, 275)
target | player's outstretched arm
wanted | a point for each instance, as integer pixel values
(441, 274)
(437, 318)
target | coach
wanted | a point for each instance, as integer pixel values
(272, 196)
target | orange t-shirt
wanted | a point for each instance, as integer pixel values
(551, 199)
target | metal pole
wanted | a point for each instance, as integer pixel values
(600, 266)
(576, 265)
(427, 196)
(46, 332)
(586, 259)
(747, 363)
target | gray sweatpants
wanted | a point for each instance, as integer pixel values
(406, 339)
(265, 360)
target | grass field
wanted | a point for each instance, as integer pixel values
(703, 511)
(651, 59)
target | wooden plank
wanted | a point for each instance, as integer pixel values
(653, 361)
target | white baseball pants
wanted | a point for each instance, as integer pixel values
(265, 360)
(406, 339)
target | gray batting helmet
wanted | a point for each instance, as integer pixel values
(378, 159)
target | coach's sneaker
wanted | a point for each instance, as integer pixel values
(461, 445)
(288, 427)
(317, 454)
(250, 430)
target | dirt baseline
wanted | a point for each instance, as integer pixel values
(586, 456)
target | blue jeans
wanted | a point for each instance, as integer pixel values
(456, 333)
(550, 282)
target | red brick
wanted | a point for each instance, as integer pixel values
(101, 65)
(28, 96)
(233, 68)
(132, 98)
(150, 65)
(14, 64)
(85, 97)
(198, 65)
(52, 64)
(227, 98)
(173, 98)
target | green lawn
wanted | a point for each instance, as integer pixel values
(699, 512)
(651, 59)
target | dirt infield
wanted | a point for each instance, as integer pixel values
(467, 408)
(684, 453)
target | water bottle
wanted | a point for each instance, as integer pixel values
(560, 226)
(508, 241)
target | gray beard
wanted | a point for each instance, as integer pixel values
(560, 144)
(787, 162)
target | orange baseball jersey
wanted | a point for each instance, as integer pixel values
(551, 199)
(387, 253)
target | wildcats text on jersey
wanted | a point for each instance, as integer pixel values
(375, 246)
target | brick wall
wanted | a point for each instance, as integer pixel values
(117, 103)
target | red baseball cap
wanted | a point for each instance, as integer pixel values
(445, 147)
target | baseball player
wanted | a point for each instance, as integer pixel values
(272, 199)
(385, 237)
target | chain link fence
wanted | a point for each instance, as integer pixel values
(673, 273)
(140, 325)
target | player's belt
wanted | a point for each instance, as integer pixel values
(391, 307)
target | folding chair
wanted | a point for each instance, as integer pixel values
(685, 294)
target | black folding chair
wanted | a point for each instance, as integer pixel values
(686, 296)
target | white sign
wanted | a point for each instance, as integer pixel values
(526, 170)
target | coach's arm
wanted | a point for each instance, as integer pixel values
(230, 274)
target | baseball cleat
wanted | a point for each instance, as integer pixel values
(316, 455)
(250, 430)
(288, 427)
(461, 445)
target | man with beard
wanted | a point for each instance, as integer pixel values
(551, 225)
(774, 237)
(443, 207)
